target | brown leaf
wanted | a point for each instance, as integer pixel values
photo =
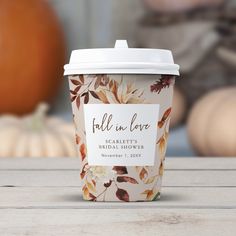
(84, 94)
(83, 151)
(75, 82)
(94, 94)
(108, 184)
(122, 195)
(86, 98)
(120, 170)
(81, 77)
(83, 172)
(143, 174)
(164, 82)
(73, 92)
(78, 102)
(92, 197)
(72, 98)
(97, 82)
(76, 90)
(131, 180)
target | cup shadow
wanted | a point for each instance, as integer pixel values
(165, 197)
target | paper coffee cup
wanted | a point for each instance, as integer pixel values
(121, 101)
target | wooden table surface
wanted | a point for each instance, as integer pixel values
(42, 197)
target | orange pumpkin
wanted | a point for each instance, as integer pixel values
(32, 54)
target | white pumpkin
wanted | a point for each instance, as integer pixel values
(36, 135)
(212, 123)
(178, 108)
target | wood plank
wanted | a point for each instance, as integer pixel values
(70, 197)
(138, 222)
(71, 178)
(39, 163)
(201, 163)
(73, 163)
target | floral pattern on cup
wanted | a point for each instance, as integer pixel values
(121, 183)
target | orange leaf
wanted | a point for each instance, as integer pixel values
(83, 151)
(162, 145)
(143, 174)
(149, 194)
(161, 169)
(86, 193)
(90, 186)
(164, 118)
(102, 97)
(77, 139)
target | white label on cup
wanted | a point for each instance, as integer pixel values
(121, 134)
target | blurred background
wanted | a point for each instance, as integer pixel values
(37, 36)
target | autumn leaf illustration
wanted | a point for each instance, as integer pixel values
(77, 139)
(78, 102)
(143, 174)
(90, 186)
(72, 98)
(83, 151)
(150, 180)
(164, 82)
(75, 82)
(94, 94)
(120, 170)
(164, 118)
(161, 169)
(97, 82)
(92, 197)
(102, 96)
(149, 194)
(83, 172)
(86, 193)
(162, 142)
(131, 180)
(122, 195)
(94, 182)
(86, 98)
(107, 184)
(81, 77)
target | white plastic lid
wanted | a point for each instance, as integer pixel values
(121, 60)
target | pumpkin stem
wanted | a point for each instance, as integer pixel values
(38, 117)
